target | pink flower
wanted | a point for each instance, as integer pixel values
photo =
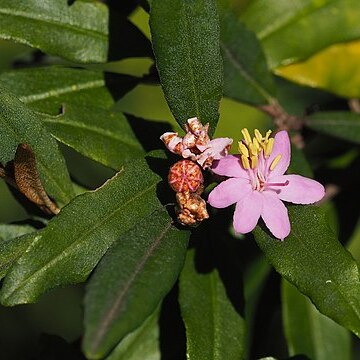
(196, 144)
(258, 186)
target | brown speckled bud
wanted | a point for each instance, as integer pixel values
(185, 176)
(191, 209)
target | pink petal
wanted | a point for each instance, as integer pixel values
(300, 190)
(247, 212)
(218, 147)
(275, 215)
(229, 192)
(281, 146)
(230, 165)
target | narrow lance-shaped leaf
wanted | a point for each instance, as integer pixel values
(247, 78)
(142, 343)
(186, 42)
(314, 261)
(47, 89)
(131, 280)
(310, 333)
(71, 245)
(13, 244)
(20, 125)
(78, 31)
(342, 124)
(214, 328)
(283, 26)
(101, 135)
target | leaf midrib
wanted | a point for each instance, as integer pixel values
(94, 129)
(52, 21)
(63, 90)
(73, 246)
(114, 309)
(266, 33)
(252, 81)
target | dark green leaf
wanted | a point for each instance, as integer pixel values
(20, 125)
(131, 280)
(342, 124)
(47, 89)
(67, 250)
(186, 41)
(99, 134)
(13, 244)
(314, 261)
(247, 78)
(294, 30)
(82, 32)
(142, 343)
(214, 328)
(310, 333)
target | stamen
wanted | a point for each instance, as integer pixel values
(268, 133)
(253, 149)
(256, 144)
(275, 162)
(245, 162)
(269, 147)
(254, 161)
(246, 135)
(286, 183)
(258, 135)
(243, 149)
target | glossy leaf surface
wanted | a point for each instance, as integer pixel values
(186, 42)
(48, 88)
(214, 328)
(283, 25)
(246, 76)
(342, 124)
(335, 69)
(20, 125)
(314, 261)
(310, 333)
(141, 343)
(101, 135)
(71, 245)
(131, 280)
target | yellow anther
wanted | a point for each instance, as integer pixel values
(245, 162)
(269, 147)
(275, 162)
(268, 133)
(246, 136)
(256, 144)
(253, 149)
(254, 162)
(243, 149)
(258, 135)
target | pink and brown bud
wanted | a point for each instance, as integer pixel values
(191, 209)
(185, 176)
(173, 142)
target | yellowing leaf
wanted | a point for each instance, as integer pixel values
(335, 69)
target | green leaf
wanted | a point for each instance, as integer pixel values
(247, 78)
(127, 286)
(314, 261)
(342, 124)
(47, 89)
(214, 328)
(186, 42)
(19, 125)
(67, 250)
(283, 25)
(142, 343)
(310, 333)
(82, 32)
(110, 141)
(13, 244)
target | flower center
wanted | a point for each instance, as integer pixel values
(255, 153)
